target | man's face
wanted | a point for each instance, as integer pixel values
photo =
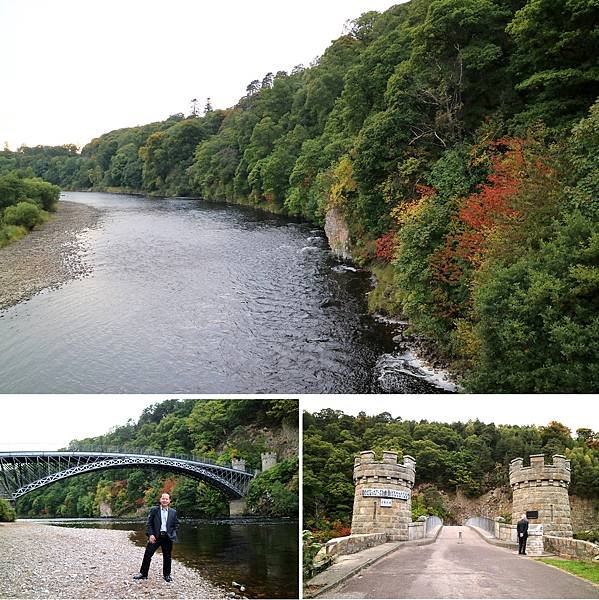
(165, 500)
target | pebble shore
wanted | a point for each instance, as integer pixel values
(48, 256)
(45, 561)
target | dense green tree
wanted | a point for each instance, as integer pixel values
(7, 512)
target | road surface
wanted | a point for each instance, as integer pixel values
(470, 569)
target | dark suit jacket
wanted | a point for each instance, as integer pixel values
(155, 520)
(522, 527)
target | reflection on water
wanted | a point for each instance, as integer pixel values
(261, 554)
(190, 297)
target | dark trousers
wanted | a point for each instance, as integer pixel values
(522, 544)
(166, 544)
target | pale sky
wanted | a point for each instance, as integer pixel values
(50, 422)
(574, 411)
(75, 69)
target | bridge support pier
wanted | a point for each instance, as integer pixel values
(237, 508)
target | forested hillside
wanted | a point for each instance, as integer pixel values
(457, 139)
(472, 456)
(216, 429)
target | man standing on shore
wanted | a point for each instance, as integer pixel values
(522, 530)
(162, 532)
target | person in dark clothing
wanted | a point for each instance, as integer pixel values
(522, 530)
(162, 532)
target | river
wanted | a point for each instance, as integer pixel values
(260, 554)
(186, 296)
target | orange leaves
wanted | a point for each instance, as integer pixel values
(480, 214)
(481, 211)
(386, 246)
(169, 485)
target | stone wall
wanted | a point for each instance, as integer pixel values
(571, 548)
(505, 532)
(383, 495)
(349, 545)
(337, 232)
(543, 488)
(417, 530)
(584, 513)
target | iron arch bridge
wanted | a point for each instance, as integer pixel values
(23, 472)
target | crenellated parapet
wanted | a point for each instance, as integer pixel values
(383, 494)
(539, 473)
(366, 469)
(542, 488)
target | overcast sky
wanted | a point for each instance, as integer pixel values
(73, 69)
(50, 422)
(573, 411)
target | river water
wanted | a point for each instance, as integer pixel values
(193, 297)
(261, 554)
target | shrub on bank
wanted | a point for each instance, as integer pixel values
(10, 233)
(7, 512)
(590, 535)
(23, 214)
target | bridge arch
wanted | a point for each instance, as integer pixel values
(24, 472)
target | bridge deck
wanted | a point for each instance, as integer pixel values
(473, 569)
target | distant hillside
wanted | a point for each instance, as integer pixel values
(216, 429)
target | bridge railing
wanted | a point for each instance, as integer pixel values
(153, 452)
(484, 523)
(432, 523)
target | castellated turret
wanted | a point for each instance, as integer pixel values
(543, 488)
(383, 495)
(269, 460)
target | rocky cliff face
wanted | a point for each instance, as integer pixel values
(495, 503)
(284, 440)
(498, 502)
(337, 232)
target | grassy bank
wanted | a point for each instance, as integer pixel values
(586, 570)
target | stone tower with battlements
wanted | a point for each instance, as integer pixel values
(269, 460)
(383, 495)
(543, 488)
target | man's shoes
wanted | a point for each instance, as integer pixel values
(168, 578)
(140, 576)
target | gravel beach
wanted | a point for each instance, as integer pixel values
(45, 561)
(47, 256)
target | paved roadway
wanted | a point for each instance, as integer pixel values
(471, 569)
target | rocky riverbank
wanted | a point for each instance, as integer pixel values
(45, 561)
(48, 256)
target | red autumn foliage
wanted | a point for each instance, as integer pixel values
(168, 485)
(481, 212)
(425, 191)
(340, 530)
(386, 246)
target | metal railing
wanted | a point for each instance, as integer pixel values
(22, 472)
(152, 452)
(431, 524)
(484, 523)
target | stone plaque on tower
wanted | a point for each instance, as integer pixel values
(383, 495)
